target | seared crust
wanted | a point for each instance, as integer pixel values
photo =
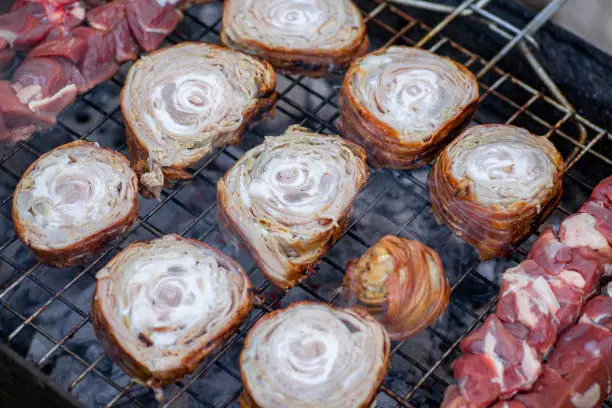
(122, 346)
(381, 140)
(401, 283)
(78, 252)
(377, 373)
(285, 252)
(494, 229)
(262, 106)
(315, 62)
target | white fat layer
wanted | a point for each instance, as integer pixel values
(67, 90)
(588, 399)
(413, 91)
(73, 193)
(312, 355)
(490, 343)
(579, 230)
(530, 364)
(545, 301)
(503, 164)
(573, 278)
(171, 294)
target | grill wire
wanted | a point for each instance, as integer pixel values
(44, 312)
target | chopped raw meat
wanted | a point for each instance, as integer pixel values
(598, 312)
(24, 27)
(71, 48)
(151, 21)
(14, 112)
(453, 398)
(551, 391)
(98, 63)
(105, 17)
(38, 78)
(477, 376)
(516, 364)
(576, 266)
(6, 57)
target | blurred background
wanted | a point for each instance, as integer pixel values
(589, 19)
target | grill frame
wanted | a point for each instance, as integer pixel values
(577, 138)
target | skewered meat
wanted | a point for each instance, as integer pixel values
(494, 184)
(592, 226)
(289, 200)
(181, 102)
(315, 38)
(313, 355)
(578, 373)
(403, 105)
(73, 200)
(401, 283)
(539, 299)
(162, 306)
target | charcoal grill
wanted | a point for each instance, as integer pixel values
(44, 312)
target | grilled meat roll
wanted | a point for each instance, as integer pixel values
(162, 306)
(401, 283)
(403, 105)
(181, 102)
(313, 37)
(313, 355)
(494, 184)
(73, 200)
(289, 200)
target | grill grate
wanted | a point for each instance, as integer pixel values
(44, 313)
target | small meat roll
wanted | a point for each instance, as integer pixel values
(494, 184)
(401, 283)
(403, 105)
(162, 306)
(181, 102)
(290, 199)
(72, 201)
(312, 37)
(313, 355)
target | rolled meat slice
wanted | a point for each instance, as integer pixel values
(289, 200)
(401, 283)
(494, 184)
(312, 37)
(313, 355)
(403, 105)
(73, 200)
(162, 306)
(181, 102)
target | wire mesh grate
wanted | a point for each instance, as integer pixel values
(44, 312)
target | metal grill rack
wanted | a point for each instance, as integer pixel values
(44, 312)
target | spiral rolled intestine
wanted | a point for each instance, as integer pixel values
(401, 283)
(405, 104)
(296, 36)
(74, 199)
(494, 184)
(290, 198)
(310, 355)
(162, 306)
(181, 102)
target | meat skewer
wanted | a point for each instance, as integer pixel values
(181, 102)
(313, 355)
(539, 300)
(315, 38)
(289, 200)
